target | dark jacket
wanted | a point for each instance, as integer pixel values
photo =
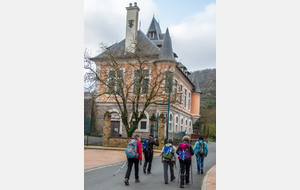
(190, 148)
(151, 143)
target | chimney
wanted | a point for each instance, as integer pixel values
(131, 27)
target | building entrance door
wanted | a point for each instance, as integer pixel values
(115, 128)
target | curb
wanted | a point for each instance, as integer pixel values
(204, 180)
(104, 165)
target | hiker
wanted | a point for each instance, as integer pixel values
(201, 151)
(185, 152)
(134, 160)
(168, 158)
(148, 153)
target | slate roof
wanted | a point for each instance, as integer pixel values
(154, 27)
(118, 49)
(196, 83)
(166, 52)
(150, 45)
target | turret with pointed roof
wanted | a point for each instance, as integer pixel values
(166, 52)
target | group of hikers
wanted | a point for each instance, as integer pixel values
(169, 156)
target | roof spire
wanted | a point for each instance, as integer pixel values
(166, 52)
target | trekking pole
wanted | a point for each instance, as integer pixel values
(191, 171)
(120, 168)
(178, 174)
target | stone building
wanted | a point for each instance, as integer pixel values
(184, 112)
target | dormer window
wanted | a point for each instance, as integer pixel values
(151, 35)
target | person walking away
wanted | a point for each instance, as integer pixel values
(137, 149)
(168, 158)
(185, 152)
(148, 153)
(201, 151)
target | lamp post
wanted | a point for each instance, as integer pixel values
(170, 87)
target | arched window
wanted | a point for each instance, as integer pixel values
(190, 126)
(170, 122)
(176, 124)
(181, 124)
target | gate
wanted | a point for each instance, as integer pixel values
(154, 129)
(93, 130)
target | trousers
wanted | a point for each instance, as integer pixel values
(148, 159)
(166, 164)
(132, 161)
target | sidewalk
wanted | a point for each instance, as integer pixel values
(96, 156)
(209, 180)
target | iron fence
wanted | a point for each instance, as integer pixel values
(93, 130)
(177, 135)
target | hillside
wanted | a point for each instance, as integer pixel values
(207, 84)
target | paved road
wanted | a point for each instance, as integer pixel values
(102, 178)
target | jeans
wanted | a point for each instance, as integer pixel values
(132, 161)
(200, 160)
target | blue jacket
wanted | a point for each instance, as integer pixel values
(197, 146)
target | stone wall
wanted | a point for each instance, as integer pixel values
(106, 129)
(161, 130)
(118, 142)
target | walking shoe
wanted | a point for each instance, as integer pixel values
(181, 180)
(187, 179)
(201, 171)
(137, 181)
(148, 172)
(126, 181)
(173, 179)
(144, 170)
(198, 172)
(166, 182)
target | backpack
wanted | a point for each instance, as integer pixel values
(201, 148)
(131, 150)
(167, 153)
(146, 147)
(184, 152)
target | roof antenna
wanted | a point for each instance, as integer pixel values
(140, 25)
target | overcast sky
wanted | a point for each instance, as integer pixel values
(192, 26)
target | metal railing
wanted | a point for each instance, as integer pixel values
(93, 130)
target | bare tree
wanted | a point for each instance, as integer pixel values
(132, 80)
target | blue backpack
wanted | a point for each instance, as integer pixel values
(131, 150)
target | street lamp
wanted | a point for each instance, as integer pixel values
(170, 87)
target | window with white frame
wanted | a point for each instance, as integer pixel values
(143, 125)
(141, 79)
(180, 95)
(168, 77)
(185, 94)
(189, 101)
(175, 90)
(115, 81)
(151, 34)
(190, 127)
